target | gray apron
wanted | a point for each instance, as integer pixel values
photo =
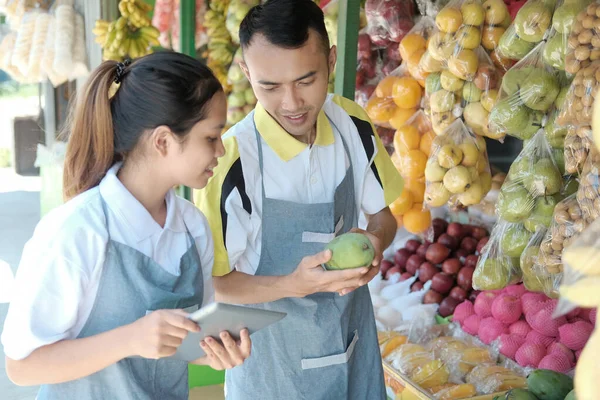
(131, 285)
(326, 348)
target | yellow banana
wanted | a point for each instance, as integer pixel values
(99, 31)
(149, 32)
(124, 47)
(121, 23)
(123, 9)
(100, 39)
(110, 38)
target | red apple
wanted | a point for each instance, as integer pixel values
(385, 265)
(401, 257)
(469, 245)
(471, 261)
(405, 276)
(447, 306)
(392, 271)
(442, 223)
(426, 271)
(455, 229)
(461, 254)
(422, 250)
(464, 278)
(482, 243)
(449, 241)
(364, 46)
(478, 232)
(432, 297)
(451, 266)
(442, 282)
(436, 253)
(413, 264)
(412, 245)
(458, 293)
(416, 286)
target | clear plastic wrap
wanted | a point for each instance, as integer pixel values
(413, 47)
(577, 109)
(528, 92)
(457, 171)
(588, 194)
(396, 98)
(368, 69)
(490, 378)
(535, 279)
(236, 11)
(583, 44)
(388, 20)
(498, 264)
(531, 25)
(527, 195)
(577, 148)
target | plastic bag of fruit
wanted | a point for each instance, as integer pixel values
(578, 105)
(535, 279)
(531, 25)
(241, 100)
(588, 194)
(577, 147)
(567, 225)
(236, 11)
(396, 98)
(583, 43)
(413, 48)
(528, 92)
(534, 179)
(490, 378)
(368, 69)
(388, 20)
(580, 285)
(497, 20)
(457, 170)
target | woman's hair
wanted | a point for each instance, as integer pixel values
(164, 88)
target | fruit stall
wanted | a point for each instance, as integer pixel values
(490, 288)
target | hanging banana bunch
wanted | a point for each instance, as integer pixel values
(220, 45)
(130, 36)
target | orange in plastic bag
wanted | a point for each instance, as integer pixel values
(416, 220)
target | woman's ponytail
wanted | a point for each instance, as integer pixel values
(90, 149)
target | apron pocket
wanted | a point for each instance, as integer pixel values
(316, 237)
(320, 362)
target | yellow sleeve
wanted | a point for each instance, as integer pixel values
(390, 179)
(209, 201)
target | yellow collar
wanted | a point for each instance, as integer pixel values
(285, 145)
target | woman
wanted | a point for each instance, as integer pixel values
(107, 280)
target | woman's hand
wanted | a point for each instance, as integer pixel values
(228, 355)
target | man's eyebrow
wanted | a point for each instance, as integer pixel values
(268, 83)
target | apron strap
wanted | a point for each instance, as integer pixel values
(261, 158)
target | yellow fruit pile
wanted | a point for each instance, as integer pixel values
(395, 100)
(412, 147)
(130, 36)
(413, 49)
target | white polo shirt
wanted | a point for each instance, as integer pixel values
(293, 171)
(59, 273)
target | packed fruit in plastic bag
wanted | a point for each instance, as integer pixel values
(535, 279)
(528, 92)
(531, 25)
(413, 50)
(588, 194)
(458, 169)
(388, 20)
(498, 265)
(578, 105)
(583, 44)
(577, 148)
(490, 378)
(396, 98)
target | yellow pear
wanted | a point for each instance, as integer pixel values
(436, 194)
(464, 64)
(449, 19)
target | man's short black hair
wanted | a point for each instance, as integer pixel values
(284, 23)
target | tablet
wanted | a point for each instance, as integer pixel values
(218, 317)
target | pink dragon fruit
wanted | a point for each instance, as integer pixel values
(538, 338)
(520, 328)
(530, 354)
(483, 304)
(490, 329)
(509, 344)
(471, 324)
(575, 335)
(557, 347)
(506, 308)
(556, 362)
(462, 311)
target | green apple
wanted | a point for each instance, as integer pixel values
(533, 126)
(555, 134)
(564, 17)
(509, 116)
(451, 82)
(471, 93)
(555, 51)
(542, 213)
(533, 20)
(514, 78)
(539, 90)
(432, 83)
(515, 204)
(441, 101)
(520, 169)
(514, 240)
(492, 274)
(512, 46)
(562, 95)
(545, 179)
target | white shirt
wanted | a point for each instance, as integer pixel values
(293, 171)
(59, 273)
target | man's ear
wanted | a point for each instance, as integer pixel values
(244, 68)
(332, 59)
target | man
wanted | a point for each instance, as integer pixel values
(297, 172)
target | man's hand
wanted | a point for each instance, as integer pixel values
(310, 277)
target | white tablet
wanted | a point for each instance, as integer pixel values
(218, 317)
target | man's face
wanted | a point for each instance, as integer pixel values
(291, 84)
